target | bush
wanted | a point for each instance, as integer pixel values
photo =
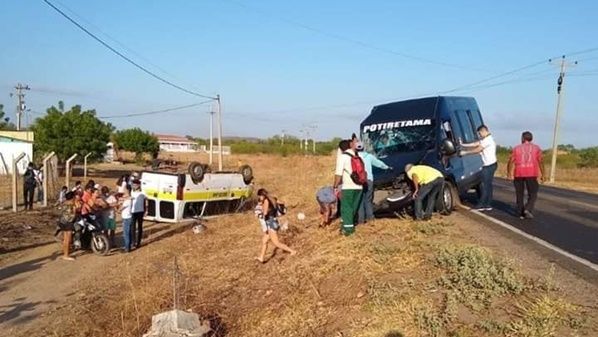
(475, 276)
(589, 157)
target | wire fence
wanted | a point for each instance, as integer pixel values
(53, 188)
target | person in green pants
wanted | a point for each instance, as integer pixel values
(350, 191)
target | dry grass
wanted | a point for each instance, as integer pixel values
(383, 281)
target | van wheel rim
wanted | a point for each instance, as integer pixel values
(447, 197)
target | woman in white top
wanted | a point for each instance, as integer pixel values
(125, 212)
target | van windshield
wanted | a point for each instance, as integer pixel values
(390, 141)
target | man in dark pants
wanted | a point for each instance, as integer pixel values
(138, 209)
(486, 147)
(525, 168)
(29, 183)
(427, 182)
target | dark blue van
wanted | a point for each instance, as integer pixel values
(423, 131)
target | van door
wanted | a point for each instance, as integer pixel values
(470, 165)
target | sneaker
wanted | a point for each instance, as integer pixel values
(479, 209)
(528, 215)
(487, 209)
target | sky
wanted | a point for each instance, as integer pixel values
(284, 65)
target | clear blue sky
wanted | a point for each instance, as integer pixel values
(278, 64)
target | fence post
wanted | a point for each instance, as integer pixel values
(68, 170)
(15, 173)
(45, 181)
(85, 166)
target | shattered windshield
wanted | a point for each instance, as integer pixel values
(408, 139)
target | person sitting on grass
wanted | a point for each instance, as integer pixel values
(270, 216)
(326, 199)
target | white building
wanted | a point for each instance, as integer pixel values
(12, 144)
(170, 143)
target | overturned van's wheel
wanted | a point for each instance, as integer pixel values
(447, 199)
(247, 173)
(197, 171)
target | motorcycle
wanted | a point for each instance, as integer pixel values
(87, 234)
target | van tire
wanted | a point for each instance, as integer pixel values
(447, 198)
(247, 173)
(197, 171)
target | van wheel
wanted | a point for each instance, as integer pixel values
(197, 171)
(247, 173)
(447, 199)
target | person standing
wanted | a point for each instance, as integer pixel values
(138, 209)
(427, 182)
(108, 215)
(39, 180)
(350, 190)
(525, 168)
(366, 207)
(29, 182)
(486, 147)
(127, 217)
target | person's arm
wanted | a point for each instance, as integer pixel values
(415, 180)
(338, 171)
(379, 163)
(542, 168)
(471, 145)
(511, 167)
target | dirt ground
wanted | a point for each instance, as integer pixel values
(392, 278)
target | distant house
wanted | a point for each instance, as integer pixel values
(170, 143)
(12, 144)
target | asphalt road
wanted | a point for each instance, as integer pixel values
(565, 218)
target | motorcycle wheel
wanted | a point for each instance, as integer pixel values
(100, 244)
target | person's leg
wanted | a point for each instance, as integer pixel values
(369, 201)
(484, 188)
(361, 211)
(139, 229)
(432, 197)
(347, 212)
(423, 192)
(532, 192)
(274, 237)
(490, 185)
(66, 244)
(25, 195)
(264, 248)
(133, 229)
(519, 191)
(127, 234)
(31, 196)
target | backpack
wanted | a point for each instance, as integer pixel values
(358, 173)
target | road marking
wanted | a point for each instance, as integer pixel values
(536, 239)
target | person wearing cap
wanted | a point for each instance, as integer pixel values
(427, 182)
(138, 208)
(350, 192)
(366, 208)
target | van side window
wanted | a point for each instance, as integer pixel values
(476, 118)
(469, 133)
(448, 130)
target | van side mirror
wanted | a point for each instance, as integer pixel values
(447, 147)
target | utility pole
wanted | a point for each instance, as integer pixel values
(211, 150)
(20, 103)
(282, 137)
(559, 105)
(219, 102)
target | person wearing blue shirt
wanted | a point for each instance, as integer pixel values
(366, 208)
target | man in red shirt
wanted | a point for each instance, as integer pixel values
(525, 168)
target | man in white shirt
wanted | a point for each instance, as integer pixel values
(138, 207)
(350, 191)
(486, 147)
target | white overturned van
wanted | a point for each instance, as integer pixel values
(175, 197)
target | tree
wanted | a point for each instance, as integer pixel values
(138, 141)
(70, 132)
(5, 123)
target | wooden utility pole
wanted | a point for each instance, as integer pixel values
(559, 105)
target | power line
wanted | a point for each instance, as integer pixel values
(155, 112)
(360, 43)
(121, 55)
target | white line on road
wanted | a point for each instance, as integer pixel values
(535, 239)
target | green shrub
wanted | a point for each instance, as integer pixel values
(475, 276)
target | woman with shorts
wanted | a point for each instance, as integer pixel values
(269, 213)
